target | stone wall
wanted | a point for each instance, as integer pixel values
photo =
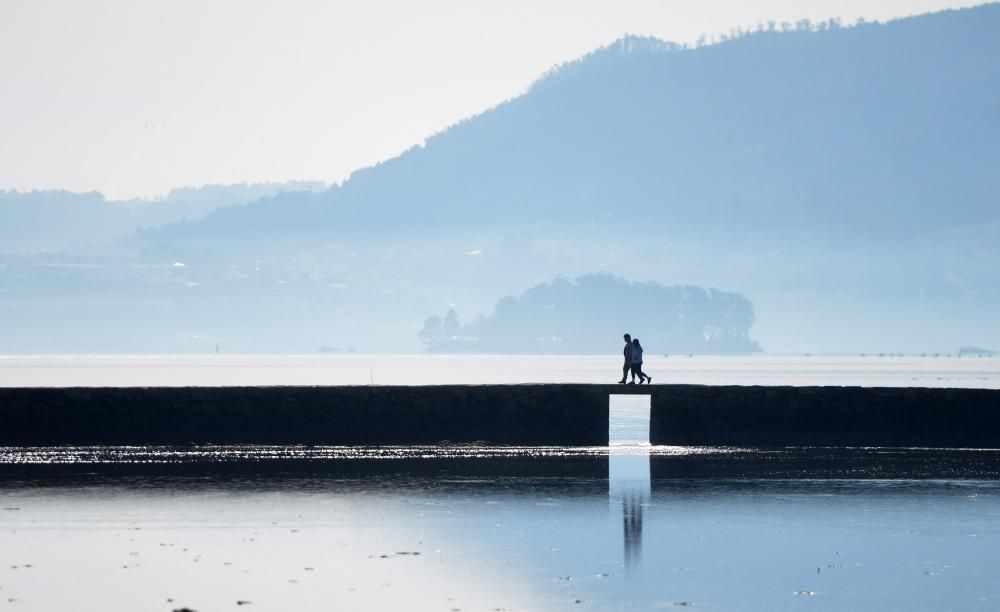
(700, 415)
(549, 414)
(496, 414)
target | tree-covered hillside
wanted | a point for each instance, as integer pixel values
(586, 314)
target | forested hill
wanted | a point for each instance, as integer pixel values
(878, 129)
(579, 315)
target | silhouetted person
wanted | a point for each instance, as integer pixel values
(628, 358)
(636, 365)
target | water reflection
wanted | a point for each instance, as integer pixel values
(633, 507)
(629, 490)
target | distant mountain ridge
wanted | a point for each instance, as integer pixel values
(56, 220)
(815, 131)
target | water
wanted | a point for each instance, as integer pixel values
(215, 370)
(629, 526)
(480, 528)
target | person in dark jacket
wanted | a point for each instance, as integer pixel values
(628, 359)
(636, 367)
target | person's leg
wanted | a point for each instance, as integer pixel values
(625, 370)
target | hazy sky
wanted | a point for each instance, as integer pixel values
(132, 97)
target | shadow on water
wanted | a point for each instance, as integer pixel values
(341, 469)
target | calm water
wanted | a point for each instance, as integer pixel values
(474, 528)
(628, 526)
(213, 370)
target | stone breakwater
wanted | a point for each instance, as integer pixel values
(542, 414)
(693, 415)
(377, 415)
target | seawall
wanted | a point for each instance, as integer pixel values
(696, 415)
(379, 415)
(531, 414)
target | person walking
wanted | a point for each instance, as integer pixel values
(628, 358)
(636, 366)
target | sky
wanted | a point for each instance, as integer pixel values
(134, 97)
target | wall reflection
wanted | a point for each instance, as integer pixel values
(629, 492)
